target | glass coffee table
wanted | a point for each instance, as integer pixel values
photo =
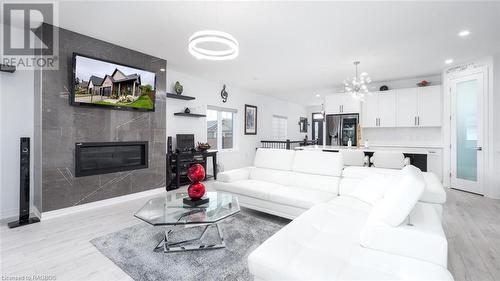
(171, 213)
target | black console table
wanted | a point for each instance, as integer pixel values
(179, 162)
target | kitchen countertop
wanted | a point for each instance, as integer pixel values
(373, 148)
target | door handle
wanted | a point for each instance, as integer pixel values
(479, 148)
(418, 120)
(415, 121)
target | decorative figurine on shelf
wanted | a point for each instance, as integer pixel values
(178, 88)
(203, 146)
(423, 83)
(187, 110)
(224, 95)
(196, 190)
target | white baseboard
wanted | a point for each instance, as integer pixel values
(103, 203)
(9, 214)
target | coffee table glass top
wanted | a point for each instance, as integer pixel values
(170, 210)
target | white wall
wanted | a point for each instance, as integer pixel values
(495, 169)
(208, 93)
(16, 119)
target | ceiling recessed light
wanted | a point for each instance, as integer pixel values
(162, 69)
(318, 95)
(464, 33)
(448, 61)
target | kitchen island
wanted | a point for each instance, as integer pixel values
(426, 157)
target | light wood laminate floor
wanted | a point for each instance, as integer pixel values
(60, 247)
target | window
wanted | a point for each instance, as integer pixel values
(220, 127)
(280, 125)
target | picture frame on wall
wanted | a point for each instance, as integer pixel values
(250, 119)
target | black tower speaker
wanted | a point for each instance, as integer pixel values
(24, 187)
(169, 145)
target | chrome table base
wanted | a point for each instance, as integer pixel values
(193, 244)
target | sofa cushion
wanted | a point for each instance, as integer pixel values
(318, 163)
(278, 159)
(252, 188)
(315, 246)
(299, 197)
(352, 157)
(363, 172)
(400, 197)
(315, 182)
(272, 176)
(433, 193)
(372, 188)
(422, 238)
(388, 159)
(234, 175)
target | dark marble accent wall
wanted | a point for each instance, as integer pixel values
(64, 125)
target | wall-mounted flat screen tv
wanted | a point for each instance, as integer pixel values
(103, 83)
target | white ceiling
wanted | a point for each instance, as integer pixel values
(293, 50)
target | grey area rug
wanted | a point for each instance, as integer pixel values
(132, 250)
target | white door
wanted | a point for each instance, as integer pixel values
(429, 106)
(387, 109)
(406, 109)
(370, 111)
(467, 132)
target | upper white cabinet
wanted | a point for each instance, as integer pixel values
(341, 103)
(412, 107)
(379, 110)
(406, 107)
(419, 107)
(429, 106)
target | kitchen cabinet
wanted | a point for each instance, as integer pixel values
(379, 110)
(435, 162)
(341, 104)
(419, 107)
(406, 107)
(429, 106)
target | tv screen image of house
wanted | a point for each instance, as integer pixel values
(102, 83)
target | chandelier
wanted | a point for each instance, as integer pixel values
(357, 86)
(208, 37)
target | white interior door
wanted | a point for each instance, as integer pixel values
(467, 132)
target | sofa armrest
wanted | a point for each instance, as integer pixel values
(234, 175)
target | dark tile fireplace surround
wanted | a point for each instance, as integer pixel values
(67, 174)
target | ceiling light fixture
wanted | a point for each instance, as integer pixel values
(213, 36)
(448, 61)
(464, 33)
(317, 95)
(357, 86)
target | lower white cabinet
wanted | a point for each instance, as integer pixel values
(435, 162)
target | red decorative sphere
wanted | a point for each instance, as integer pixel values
(196, 190)
(196, 173)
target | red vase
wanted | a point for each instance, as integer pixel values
(196, 173)
(196, 190)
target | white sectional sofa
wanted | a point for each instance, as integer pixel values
(350, 223)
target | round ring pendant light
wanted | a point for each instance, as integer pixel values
(213, 36)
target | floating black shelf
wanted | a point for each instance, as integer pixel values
(7, 68)
(189, 114)
(179, 97)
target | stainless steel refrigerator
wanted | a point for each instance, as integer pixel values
(340, 128)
